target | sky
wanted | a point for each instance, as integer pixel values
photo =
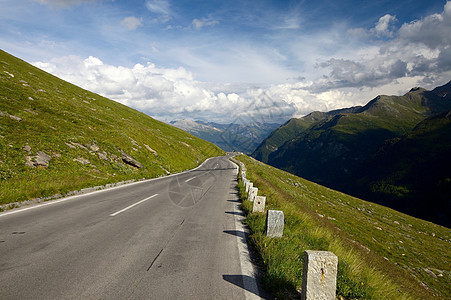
(235, 60)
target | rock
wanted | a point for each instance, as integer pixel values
(2, 114)
(103, 155)
(94, 147)
(30, 111)
(29, 162)
(27, 148)
(70, 145)
(130, 160)
(15, 118)
(82, 160)
(42, 159)
(151, 150)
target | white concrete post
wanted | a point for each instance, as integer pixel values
(249, 185)
(245, 182)
(259, 204)
(319, 277)
(274, 223)
(252, 194)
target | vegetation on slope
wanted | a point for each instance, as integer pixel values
(56, 137)
(383, 254)
(335, 150)
(290, 130)
(408, 171)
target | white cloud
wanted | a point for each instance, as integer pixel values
(164, 93)
(384, 26)
(198, 24)
(131, 23)
(432, 31)
(161, 7)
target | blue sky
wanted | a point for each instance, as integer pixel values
(222, 60)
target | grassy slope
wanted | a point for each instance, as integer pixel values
(383, 254)
(55, 113)
(414, 168)
(290, 130)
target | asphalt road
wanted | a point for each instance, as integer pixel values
(178, 237)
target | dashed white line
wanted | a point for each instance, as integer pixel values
(128, 207)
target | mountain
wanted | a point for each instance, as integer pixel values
(229, 137)
(412, 173)
(334, 148)
(56, 137)
(291, 129)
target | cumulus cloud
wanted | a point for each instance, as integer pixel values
(167, 93)
(420, 48)
(380, 60)
(198, 24)
(432, 31)
(131, 23)
(384, 26)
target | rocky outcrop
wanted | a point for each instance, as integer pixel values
(82, 160)
(130, 160)
(151, 150)
(41, 159)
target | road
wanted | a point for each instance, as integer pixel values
(177, 237)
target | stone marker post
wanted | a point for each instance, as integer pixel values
(245, 182)
(252, 194)
(249, 185)
(274, 223)
(319, 279)
(259, 204)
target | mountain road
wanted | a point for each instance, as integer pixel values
(175, 237)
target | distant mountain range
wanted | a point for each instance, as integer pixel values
(229, 137)
(396, 151)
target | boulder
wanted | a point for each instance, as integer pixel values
(130, 160)
(42, 159)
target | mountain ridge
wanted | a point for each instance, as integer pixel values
(332, 149)
(229, 137)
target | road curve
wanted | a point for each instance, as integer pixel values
(176, 237)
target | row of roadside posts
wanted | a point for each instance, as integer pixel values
(319, 280)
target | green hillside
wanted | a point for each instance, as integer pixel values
(290, 130)
(383, 254)
(56, 137)
(335, 150)
(409, 171)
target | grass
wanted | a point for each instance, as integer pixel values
(63, 121)
(383, 254)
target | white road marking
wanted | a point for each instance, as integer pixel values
(128, 207)
(39, 205)
(188, 180)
